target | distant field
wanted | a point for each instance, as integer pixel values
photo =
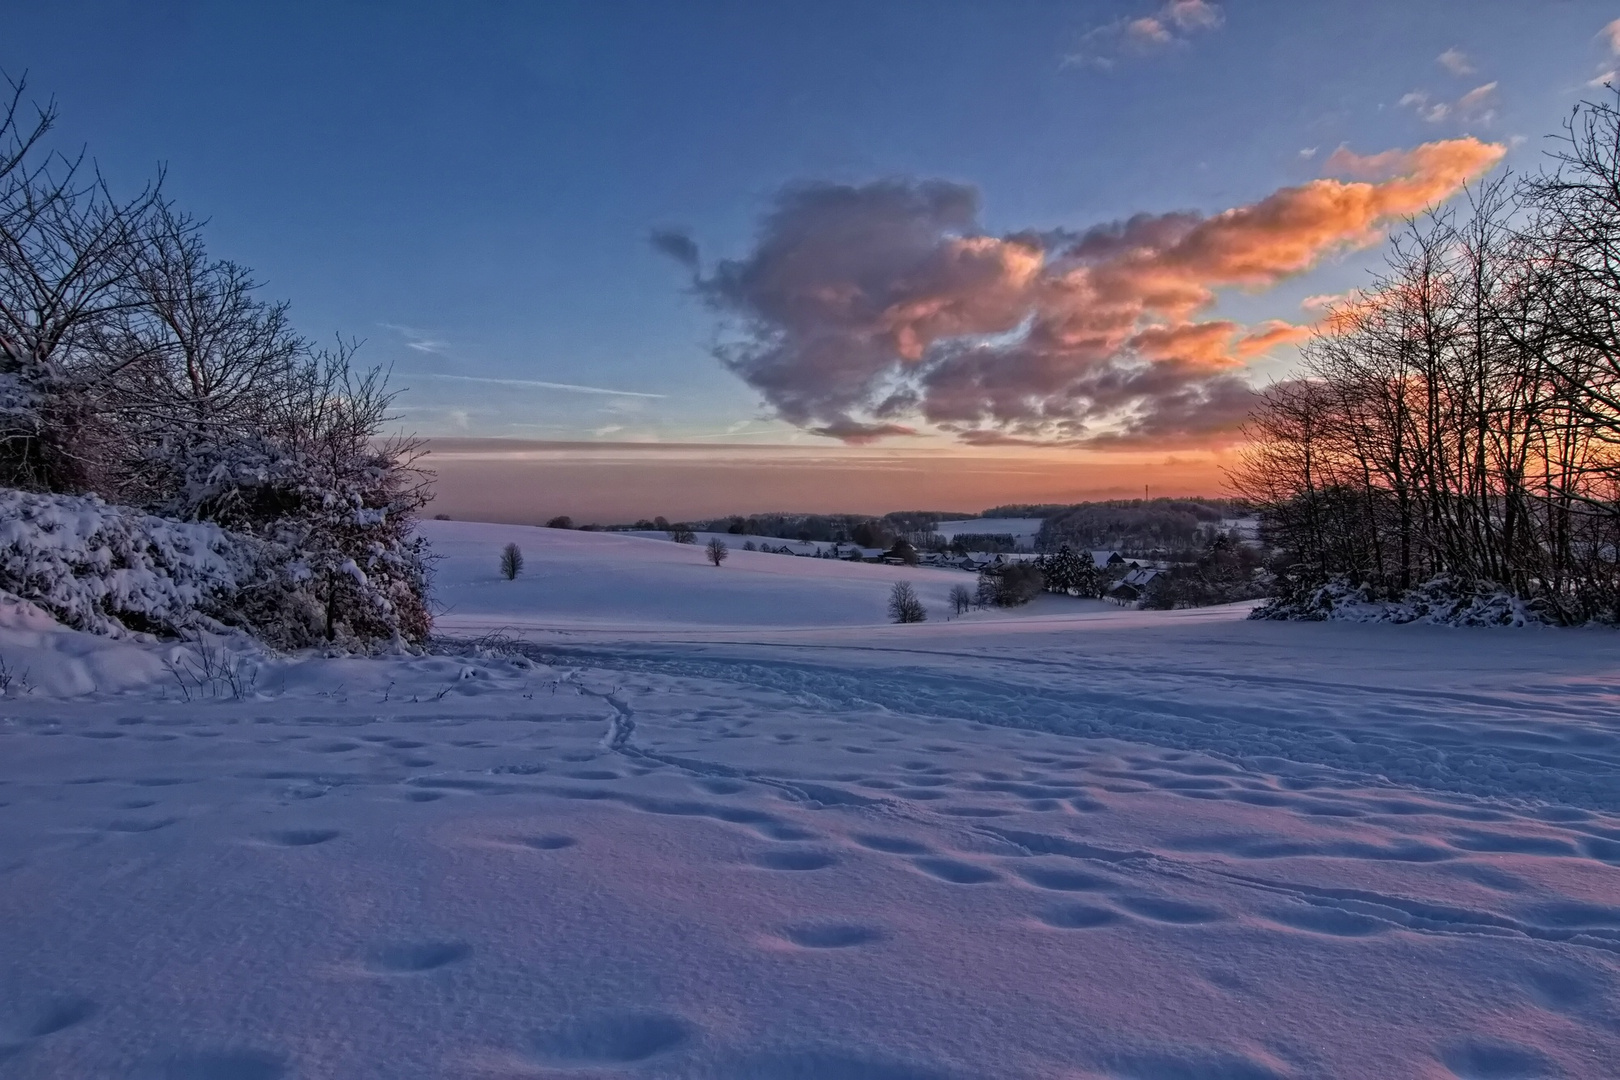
(1023, 530)
(594, 580)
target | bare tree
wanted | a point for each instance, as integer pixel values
(511, 562)
(717, 551)
(1460, 419)
(904, 606)
(961, 598)
(69, 254)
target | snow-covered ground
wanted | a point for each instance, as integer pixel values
(634, 584)
(1022, 530)
(726, 824)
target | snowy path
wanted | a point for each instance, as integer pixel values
(1149, 848)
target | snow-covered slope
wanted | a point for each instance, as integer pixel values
(1081, 844)
(593, 580)
(1022, 530)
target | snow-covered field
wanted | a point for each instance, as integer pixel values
(726, 824)
(1022, 530)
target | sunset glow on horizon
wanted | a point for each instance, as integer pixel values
(1058, 245)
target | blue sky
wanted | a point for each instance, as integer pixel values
(470, 187)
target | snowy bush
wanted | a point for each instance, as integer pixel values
(136, 367)
(1441, 601)
(111, 570)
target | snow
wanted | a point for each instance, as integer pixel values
(589, 580)
(725, 823)
(97, 566)
(1022, 530)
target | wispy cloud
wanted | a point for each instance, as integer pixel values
(1611, 36)
(1477, 105)
(1456, 61)
(531, 384)
(1607, 75)
(419, 340)
(1175, 23)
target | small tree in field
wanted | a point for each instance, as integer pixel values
(717, 551)
(511, 562)
(904, 607)
(961, 598)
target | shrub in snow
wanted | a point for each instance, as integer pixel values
(135, 366)
(904, 607)
(334, 515)
(1441, 601)
(109, 570)
(511, 562)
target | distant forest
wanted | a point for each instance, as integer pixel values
(1133, 526)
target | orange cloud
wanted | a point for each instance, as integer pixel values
(864, 306)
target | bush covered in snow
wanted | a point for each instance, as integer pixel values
(107, 569)
(137, 368)
(1442, 601)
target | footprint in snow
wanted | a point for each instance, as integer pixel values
(957, 873)
(830, 935)
(549, 842)
(1165, 910)
(1492, 1059)
(302, 837)
(610, 1038)
(222, 1065)
(1061, 880)
(45, 1016)
(1079, 917)
(794, 859)
(414, 957)
(890, 845)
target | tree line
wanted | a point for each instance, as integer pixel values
(1459, 420)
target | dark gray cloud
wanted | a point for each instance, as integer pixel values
(677, 245)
